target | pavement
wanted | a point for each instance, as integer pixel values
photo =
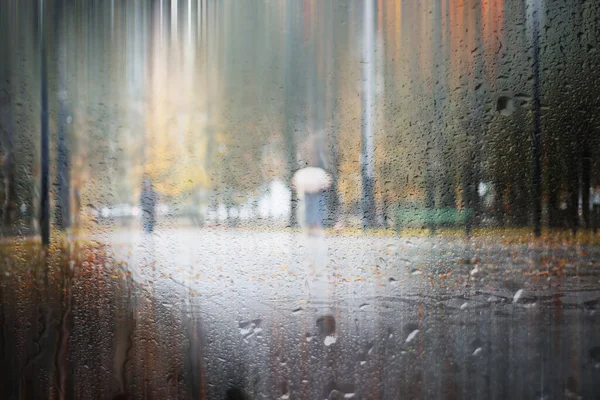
(287, 315)
(222, 313)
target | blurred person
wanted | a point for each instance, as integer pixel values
(195, 209)
(310, 183)
(314, 204)
(148, 206)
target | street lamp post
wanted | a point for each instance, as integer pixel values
(44, 217)
(63, 214)
(367, 133)
(537, 134)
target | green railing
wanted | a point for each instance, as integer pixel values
(423, 218)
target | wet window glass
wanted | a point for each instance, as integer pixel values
(299, 199)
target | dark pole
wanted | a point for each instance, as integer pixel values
(63, 206)
(333, 65)
(45, 150)
(289, 134)
(537, 134)
(367, 133)
(586, 169)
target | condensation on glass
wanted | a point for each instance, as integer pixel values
(299, 199)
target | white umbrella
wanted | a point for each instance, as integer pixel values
(311, 179)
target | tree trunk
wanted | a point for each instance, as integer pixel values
(468, 191)
(289, 135)
(447, 193)
(63, 169)
(553, 208)
(387, 221)
(537, 131)
(7, 127)
(520, 203)
(10, 192)
(499, 190)
(430, 197)
(8, 165)
(332, 193)
(44, 215)
(573, 194)
(553, 188)
(367, 161)
(586, 169)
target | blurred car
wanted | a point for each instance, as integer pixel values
(117, 212)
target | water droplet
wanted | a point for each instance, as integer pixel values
(370, 349)
(326, 325)
(412, 335)
(250, 328)
(505, 105)
(329, 340)
(335, 395)
(477, 351)
(517, 295)
(523, 97)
